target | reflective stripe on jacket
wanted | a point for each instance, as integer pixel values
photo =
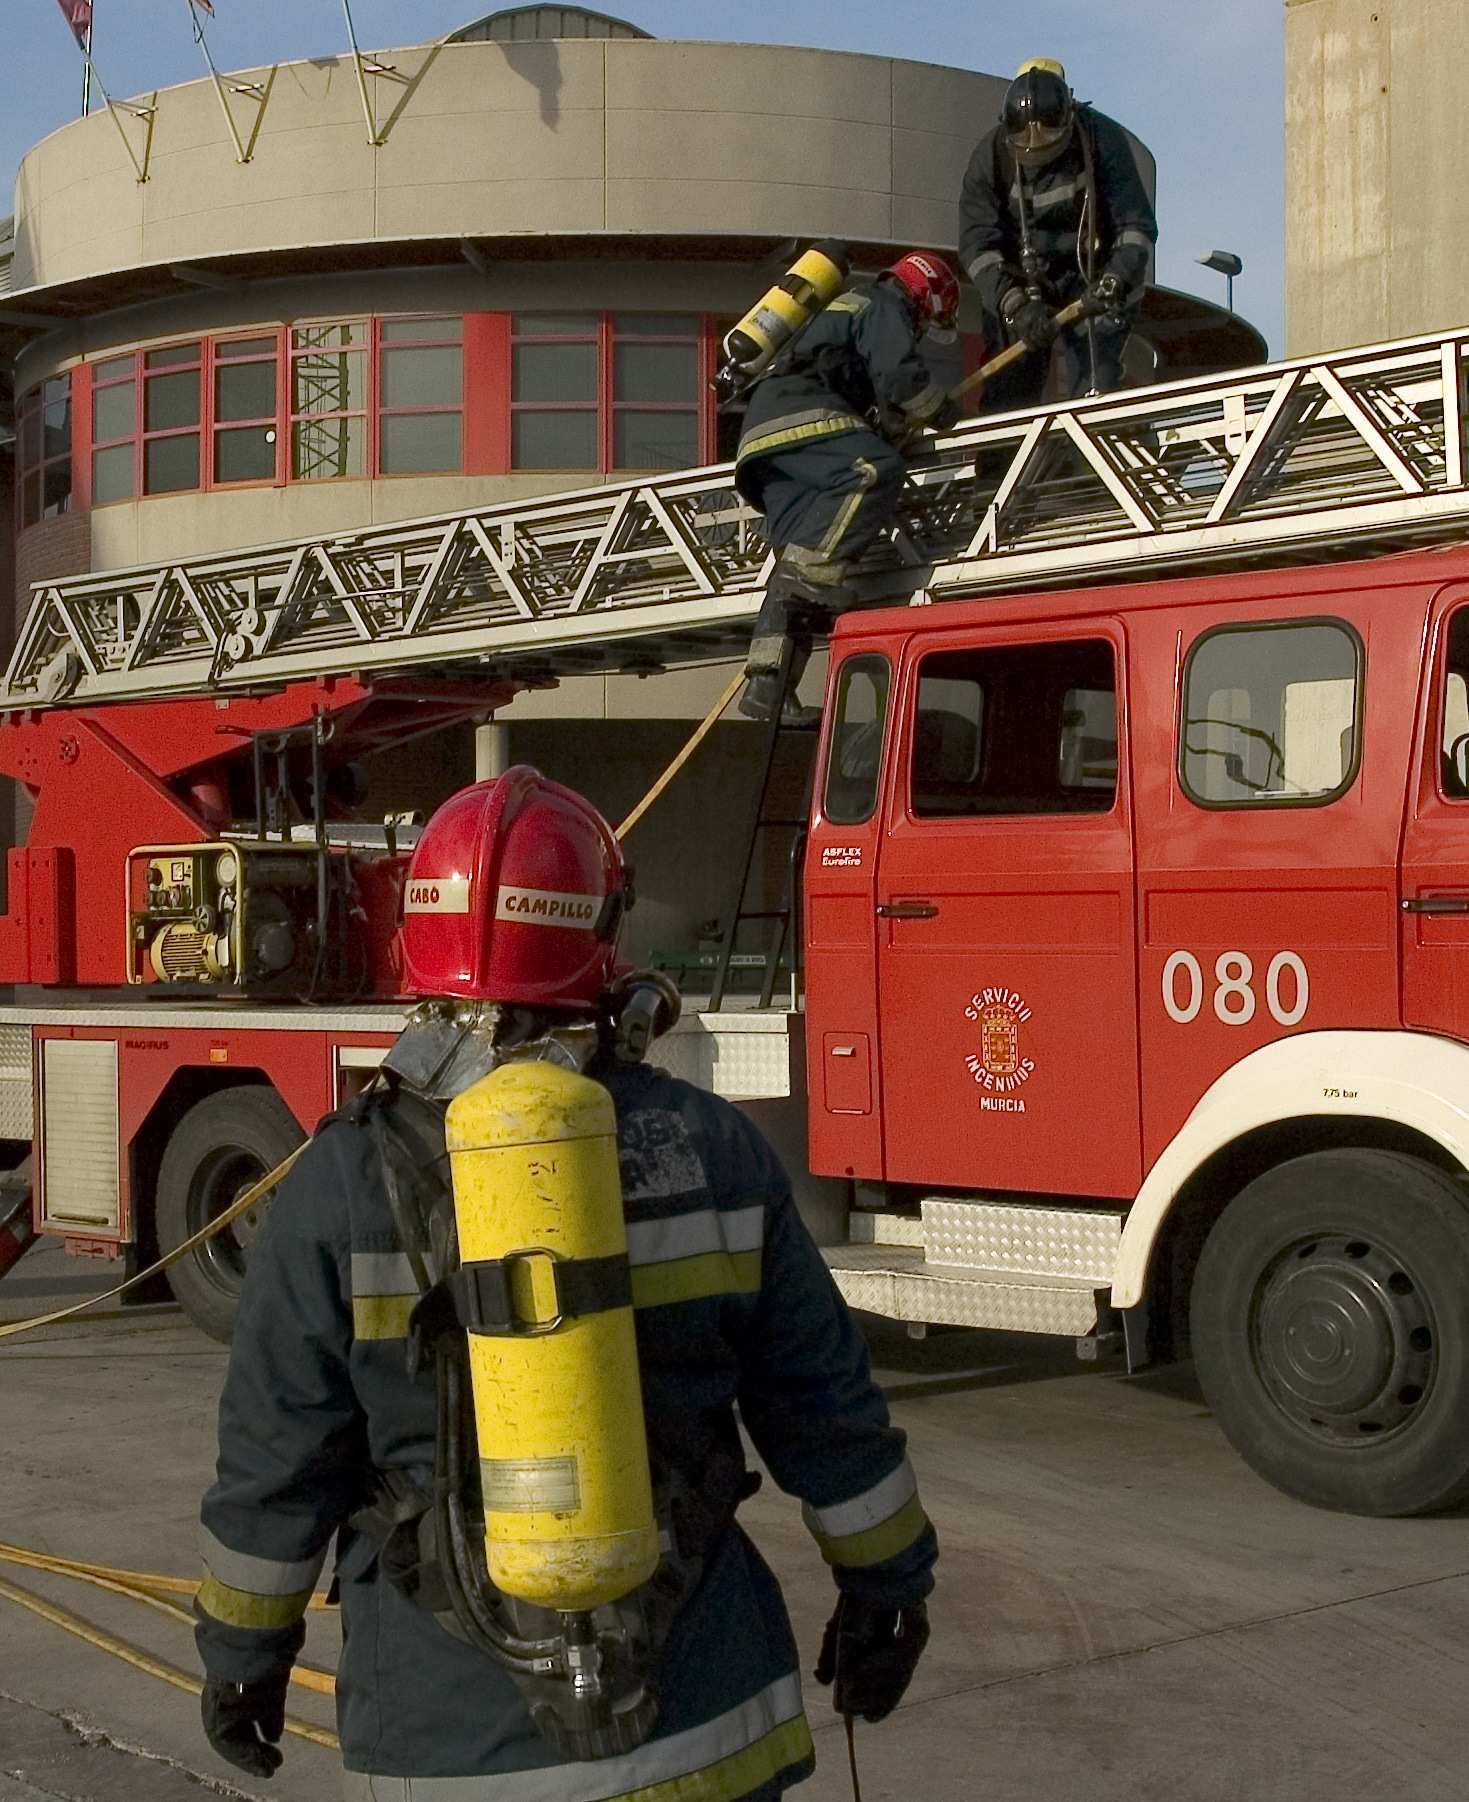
(733, 1305)
(735, 1754)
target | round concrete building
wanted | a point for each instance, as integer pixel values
(318, 296)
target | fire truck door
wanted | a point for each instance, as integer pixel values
(1270, 751)
(1434, 900)
(1006, 946)
(844, 1112)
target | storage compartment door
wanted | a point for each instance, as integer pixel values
(79, 1156)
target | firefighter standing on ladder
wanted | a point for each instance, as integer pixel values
(358, 1313)
(820, 453)
(1054, 210)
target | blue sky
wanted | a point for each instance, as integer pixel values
(1200, 83)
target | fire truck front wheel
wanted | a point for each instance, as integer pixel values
(221, 1146)
(1330, 1325)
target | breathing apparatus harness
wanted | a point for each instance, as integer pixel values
(585, 1675)
(1033, 264)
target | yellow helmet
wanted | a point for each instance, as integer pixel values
(1047, 64)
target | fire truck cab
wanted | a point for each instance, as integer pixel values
(1137, 927)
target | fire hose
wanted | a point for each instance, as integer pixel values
(155, 1667)
(218, 1224)
(149, 1587)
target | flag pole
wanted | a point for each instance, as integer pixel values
(87, 67)
(229, 118)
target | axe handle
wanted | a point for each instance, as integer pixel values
(1012, 353)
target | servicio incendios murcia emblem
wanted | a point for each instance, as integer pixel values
(998, 1064)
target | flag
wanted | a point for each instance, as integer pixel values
(205, 6)
(79, 17)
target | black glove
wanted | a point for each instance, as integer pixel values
(947, 414)
(244, 1722)
(1105, 294)
(871, 1653)
(1032, 321)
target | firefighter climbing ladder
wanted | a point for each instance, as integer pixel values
(1359, 451)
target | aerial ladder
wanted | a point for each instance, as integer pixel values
(1356, 453)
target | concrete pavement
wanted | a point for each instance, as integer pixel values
(1125, 1612)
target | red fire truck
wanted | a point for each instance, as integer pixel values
(1136, 911)
(1137, 980)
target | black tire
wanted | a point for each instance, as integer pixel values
(222, 1145)
(1330, 1324)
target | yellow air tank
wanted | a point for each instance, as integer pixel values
(810, 284)
(558, 1406)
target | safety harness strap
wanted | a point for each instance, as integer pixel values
(483, 1298)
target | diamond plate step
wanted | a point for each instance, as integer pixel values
(1030, 1241)
(884, 1229)
(894, 1281)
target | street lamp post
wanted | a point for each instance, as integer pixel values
(1227, 264)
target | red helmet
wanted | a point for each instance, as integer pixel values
(515, 893)
(931, 284)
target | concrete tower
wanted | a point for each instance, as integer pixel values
(1377, 244)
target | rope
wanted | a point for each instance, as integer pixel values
(138, 1585)
(140, 1661)
(220, 1221)
(684, 755)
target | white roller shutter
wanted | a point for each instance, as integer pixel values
(79, 1133)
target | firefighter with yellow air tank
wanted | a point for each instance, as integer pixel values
(492, 1338)
(837, 385)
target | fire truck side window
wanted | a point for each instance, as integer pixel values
(1018, 729)
(854, 758)
(1272, 714)
(1455, 764)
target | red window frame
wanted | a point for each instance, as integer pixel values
(384, 346)
(606, 337)
(113, 379)
(218, 351)
(366, 411)
(150, 371)
(595, 335)
(487, 407)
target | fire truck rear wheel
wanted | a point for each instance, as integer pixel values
(221, 1146)
(1330, 1325)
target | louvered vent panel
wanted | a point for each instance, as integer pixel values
(79, 1155)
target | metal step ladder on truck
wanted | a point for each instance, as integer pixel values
(1135, 893)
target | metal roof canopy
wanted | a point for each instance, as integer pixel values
(1359, 452)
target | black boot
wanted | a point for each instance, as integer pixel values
(758, 702)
